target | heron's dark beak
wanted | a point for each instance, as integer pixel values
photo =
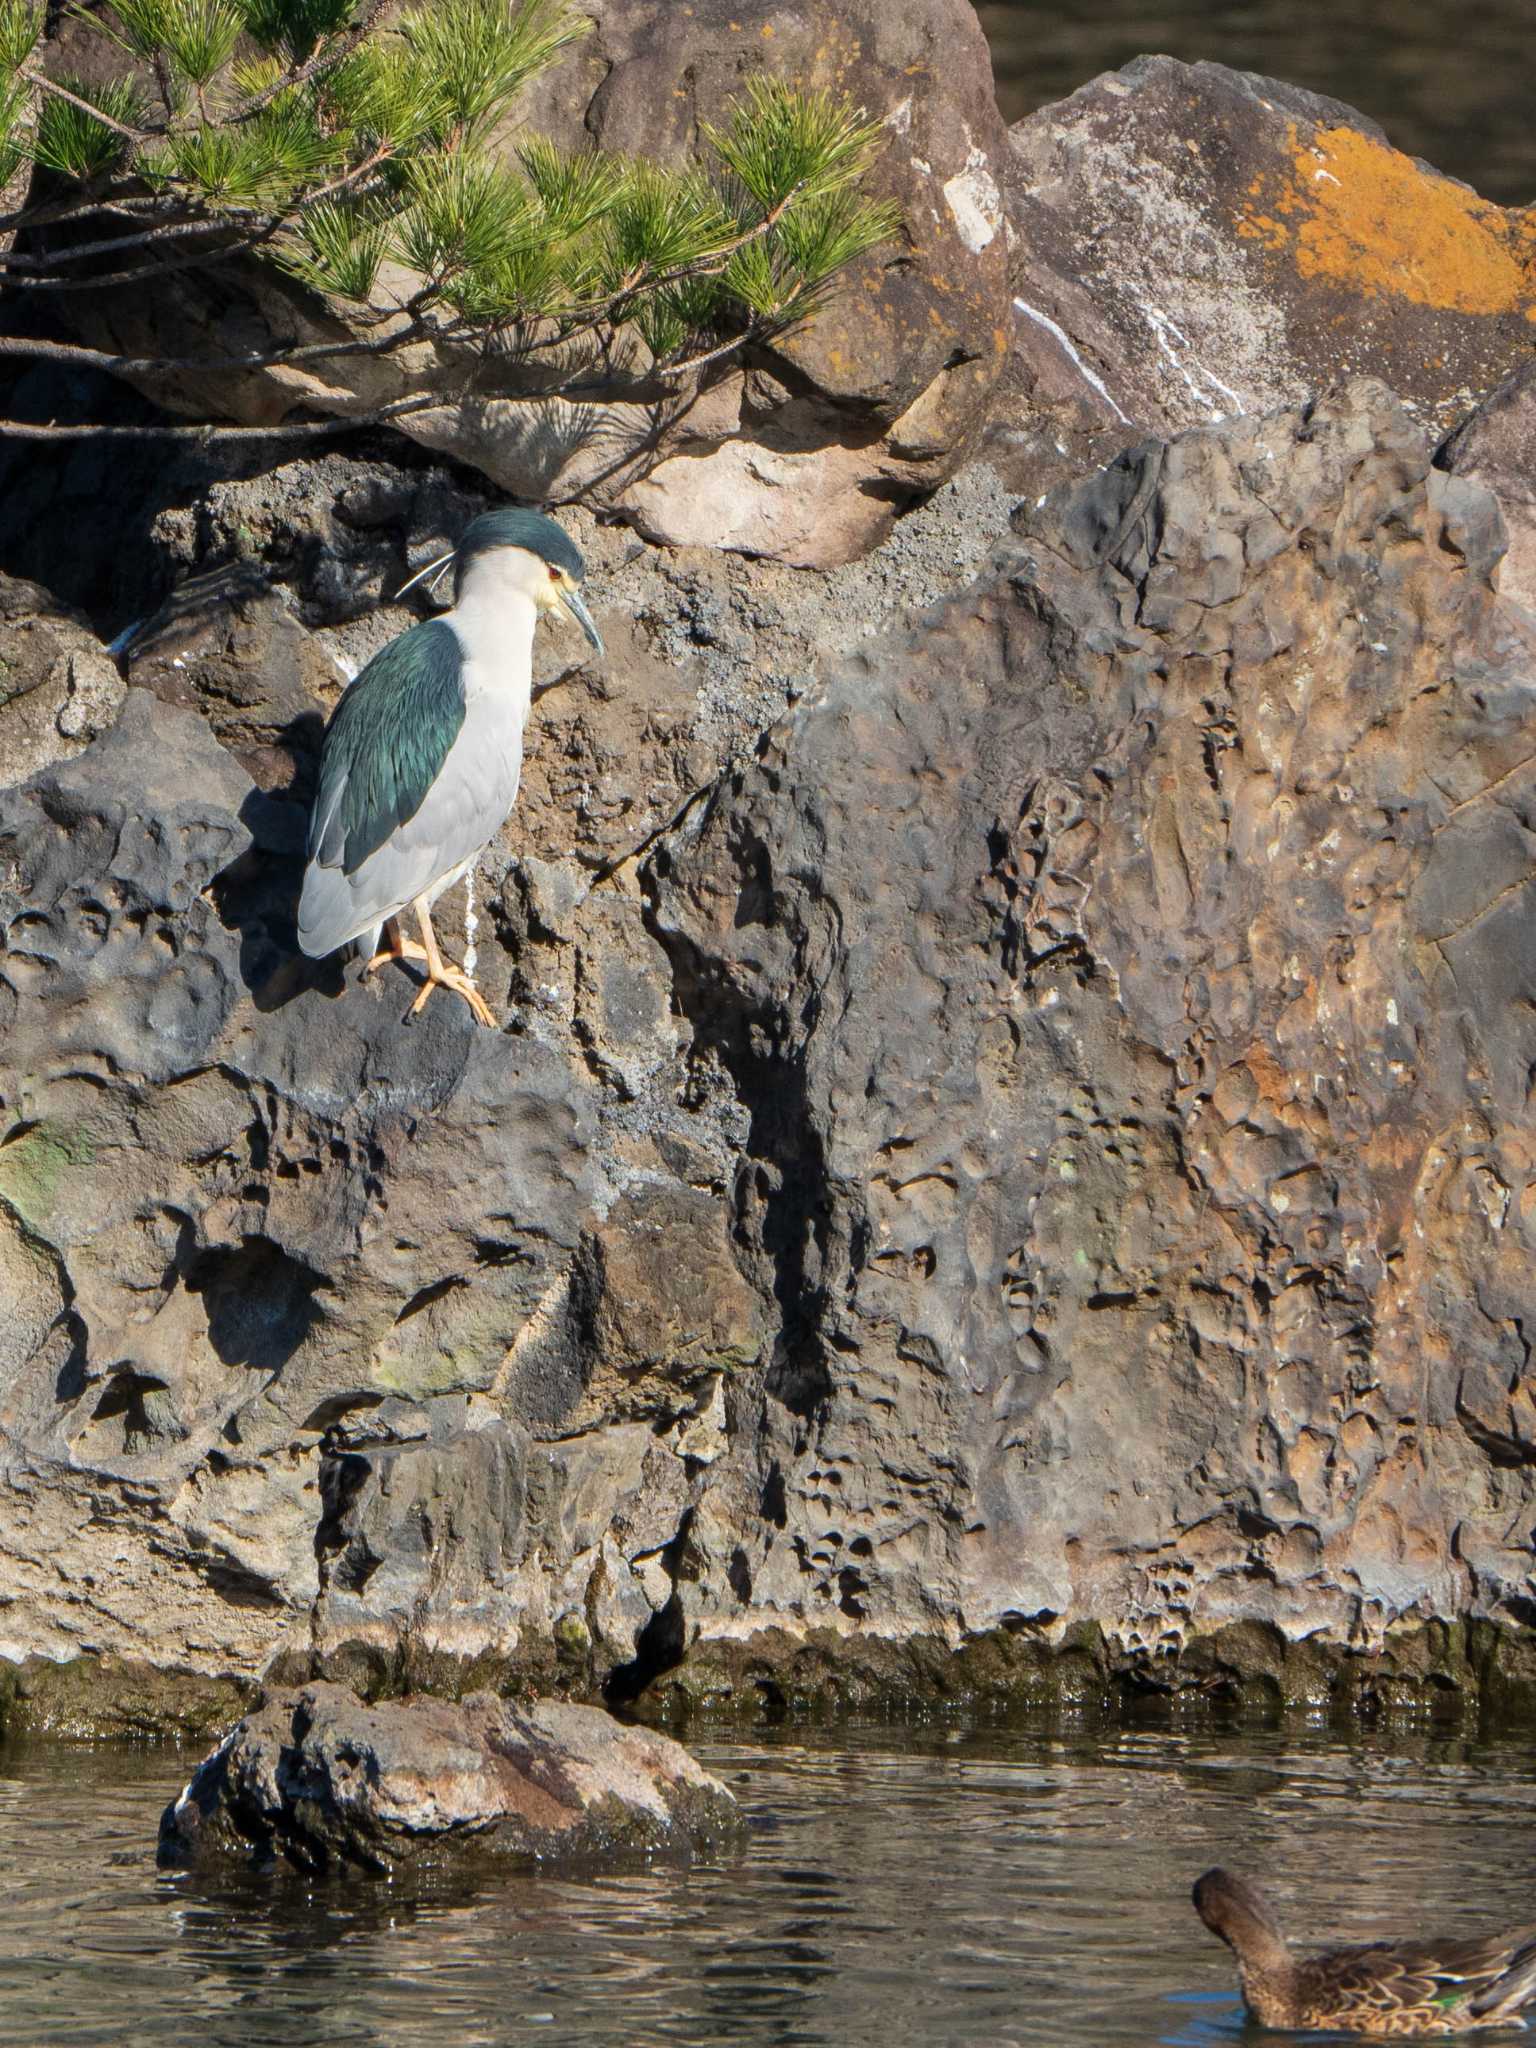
(579, 612)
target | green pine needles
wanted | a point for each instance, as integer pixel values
(359, 156)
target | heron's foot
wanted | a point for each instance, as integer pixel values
(402, 949)
(444, 976)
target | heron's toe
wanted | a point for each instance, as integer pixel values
(461, 985)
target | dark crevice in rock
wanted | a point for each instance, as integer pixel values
(658, 1649)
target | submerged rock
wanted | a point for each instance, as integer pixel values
(321, 1782)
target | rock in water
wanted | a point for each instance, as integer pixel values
(322, 1782)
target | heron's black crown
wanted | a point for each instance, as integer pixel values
(516, 527)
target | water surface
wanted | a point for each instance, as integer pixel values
(938, 1886)
(1454, 86)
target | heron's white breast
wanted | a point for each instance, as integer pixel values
(494, 629)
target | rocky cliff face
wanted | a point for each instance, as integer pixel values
(1070, 1168)
(1129, 975)
(1005, 1163)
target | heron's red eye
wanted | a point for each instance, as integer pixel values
(554, 575)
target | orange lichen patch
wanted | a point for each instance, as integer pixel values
(1366, 216)
(1263, 227)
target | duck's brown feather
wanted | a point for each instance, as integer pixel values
(1428, 1987)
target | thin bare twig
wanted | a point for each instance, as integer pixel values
(137, 366)
(256, 239)
(28, 430)
(753, 332)
(201, 259)
(56, 210)
(79, 251)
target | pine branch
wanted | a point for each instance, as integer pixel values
(568, 253)
(134, 135)
(610, 311)
(324, 59)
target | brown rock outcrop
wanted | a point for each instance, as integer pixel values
(323, 1784)
(1130, 975)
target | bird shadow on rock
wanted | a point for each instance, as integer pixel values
(257, 894)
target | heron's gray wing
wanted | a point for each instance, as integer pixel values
(383, 752)
(386, 744)
(472, 793)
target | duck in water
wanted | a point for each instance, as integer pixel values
(1398, 1988)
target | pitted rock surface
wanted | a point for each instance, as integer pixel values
(319, 1782)
(1127, 977)
(201, 1200)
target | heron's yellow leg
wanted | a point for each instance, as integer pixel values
(441, 975)
(396, 946)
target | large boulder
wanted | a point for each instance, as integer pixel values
(318, 1782)
(803, 451)
(1195, 242)
(1128, 973)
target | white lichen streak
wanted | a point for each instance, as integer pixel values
(1165, 331)
(973, 198)
(1065, 342)
(470, 923)
(927, 170)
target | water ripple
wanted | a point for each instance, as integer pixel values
(952, 1887)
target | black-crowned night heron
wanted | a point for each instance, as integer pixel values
(421, 760)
